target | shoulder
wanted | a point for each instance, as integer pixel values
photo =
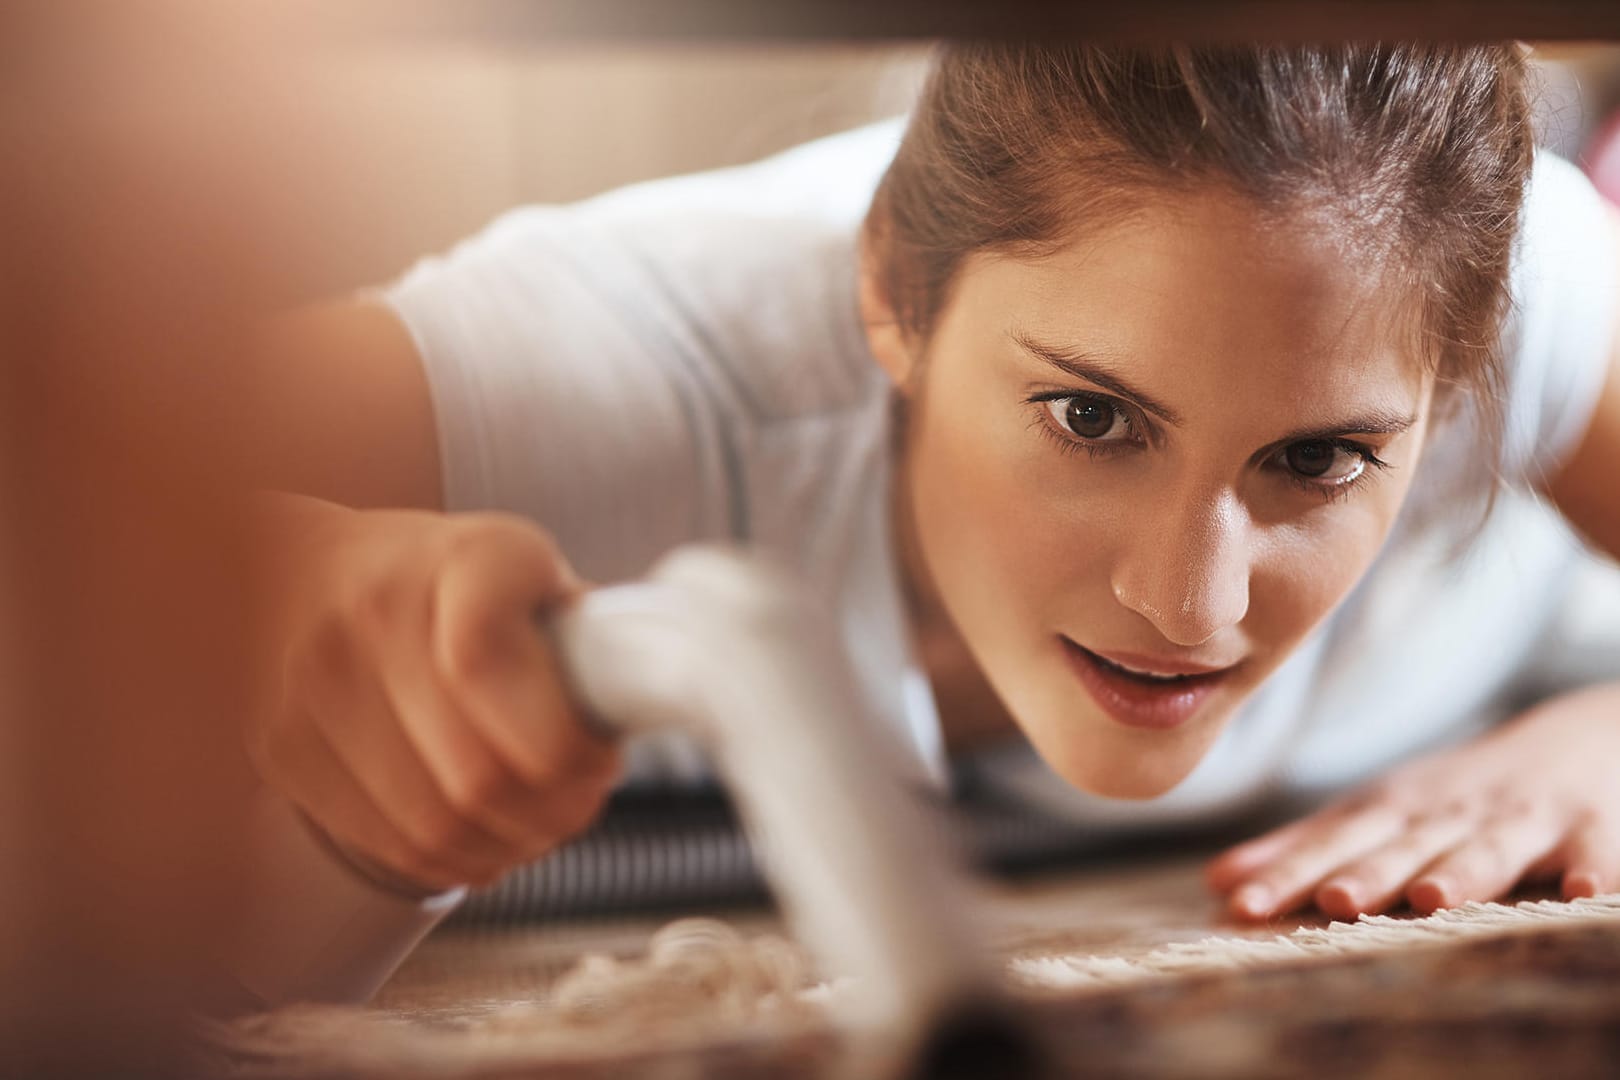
(745, 274)
(1561, 326)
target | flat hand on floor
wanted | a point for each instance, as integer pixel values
(1536, 799)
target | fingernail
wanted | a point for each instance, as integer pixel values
(1428, 892)
(1252, 900)
(1341, 893)
(1580, 885)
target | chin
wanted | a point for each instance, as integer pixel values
(1131, 771)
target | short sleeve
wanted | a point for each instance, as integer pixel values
(608, 368)
(553, 399)
(1560, 332)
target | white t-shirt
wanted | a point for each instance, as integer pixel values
(682, 360)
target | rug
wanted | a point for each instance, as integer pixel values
(1483, 990)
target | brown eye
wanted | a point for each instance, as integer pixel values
(1311, 458)
(1320, 459)
(1089, 418)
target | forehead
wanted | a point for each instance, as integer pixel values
(1207, 291)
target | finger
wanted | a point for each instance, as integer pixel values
(1237, 864)
(316, 780)
(1490, 863)
(347, 704)
(1288, 882)
(494, 662)
(1593, 860)
(469, 771)
(571, 809)
(1375, 881)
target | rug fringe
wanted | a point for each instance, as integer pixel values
(1369, 934)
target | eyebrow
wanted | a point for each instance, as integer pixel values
(1377, 422)
(1081, 366)
(1072, 362)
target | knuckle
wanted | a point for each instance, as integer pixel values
(1376, 794)
(500, 526)
(1367, 870)
(1414, 828)
(1295, 868)
(1516, 810)
(1490, 846)
(471, 536)
(438, 836)
(566, 761)
(377, 606)
(508, 544)
(322, 659)
(1458, 806)
(463, 538)
(1384, 795)
(473, 787)
(579, 814)
(537, 774)
(1497, 829)
(473, 650)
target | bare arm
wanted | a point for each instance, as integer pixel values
(408, 711)
(341, 411)
(1587, 487)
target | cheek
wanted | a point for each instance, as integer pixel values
(1301, 573)
(1004, 534)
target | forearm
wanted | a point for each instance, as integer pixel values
(317, 923)
(427, 758)
(1583, 713)
(312, 928)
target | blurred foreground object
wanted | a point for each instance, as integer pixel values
(543, 21)
(165, 187)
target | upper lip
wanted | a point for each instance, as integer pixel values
(1157, 665)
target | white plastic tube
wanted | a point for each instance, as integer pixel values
(726, 648)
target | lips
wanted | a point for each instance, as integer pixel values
(1144, 692)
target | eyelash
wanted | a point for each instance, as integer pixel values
(1070, 443)
(1334, 492)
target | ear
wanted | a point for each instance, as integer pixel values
(891, 346)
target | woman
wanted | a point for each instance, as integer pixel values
(1091, 423)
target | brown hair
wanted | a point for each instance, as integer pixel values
(1417, 151)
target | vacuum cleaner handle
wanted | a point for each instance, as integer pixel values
(727, 648)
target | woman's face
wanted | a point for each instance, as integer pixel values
(1175, 445)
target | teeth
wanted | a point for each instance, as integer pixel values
(1150, 676)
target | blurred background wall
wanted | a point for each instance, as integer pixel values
(459, 132)
(465, 132)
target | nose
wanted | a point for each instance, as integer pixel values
(1186, 570)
